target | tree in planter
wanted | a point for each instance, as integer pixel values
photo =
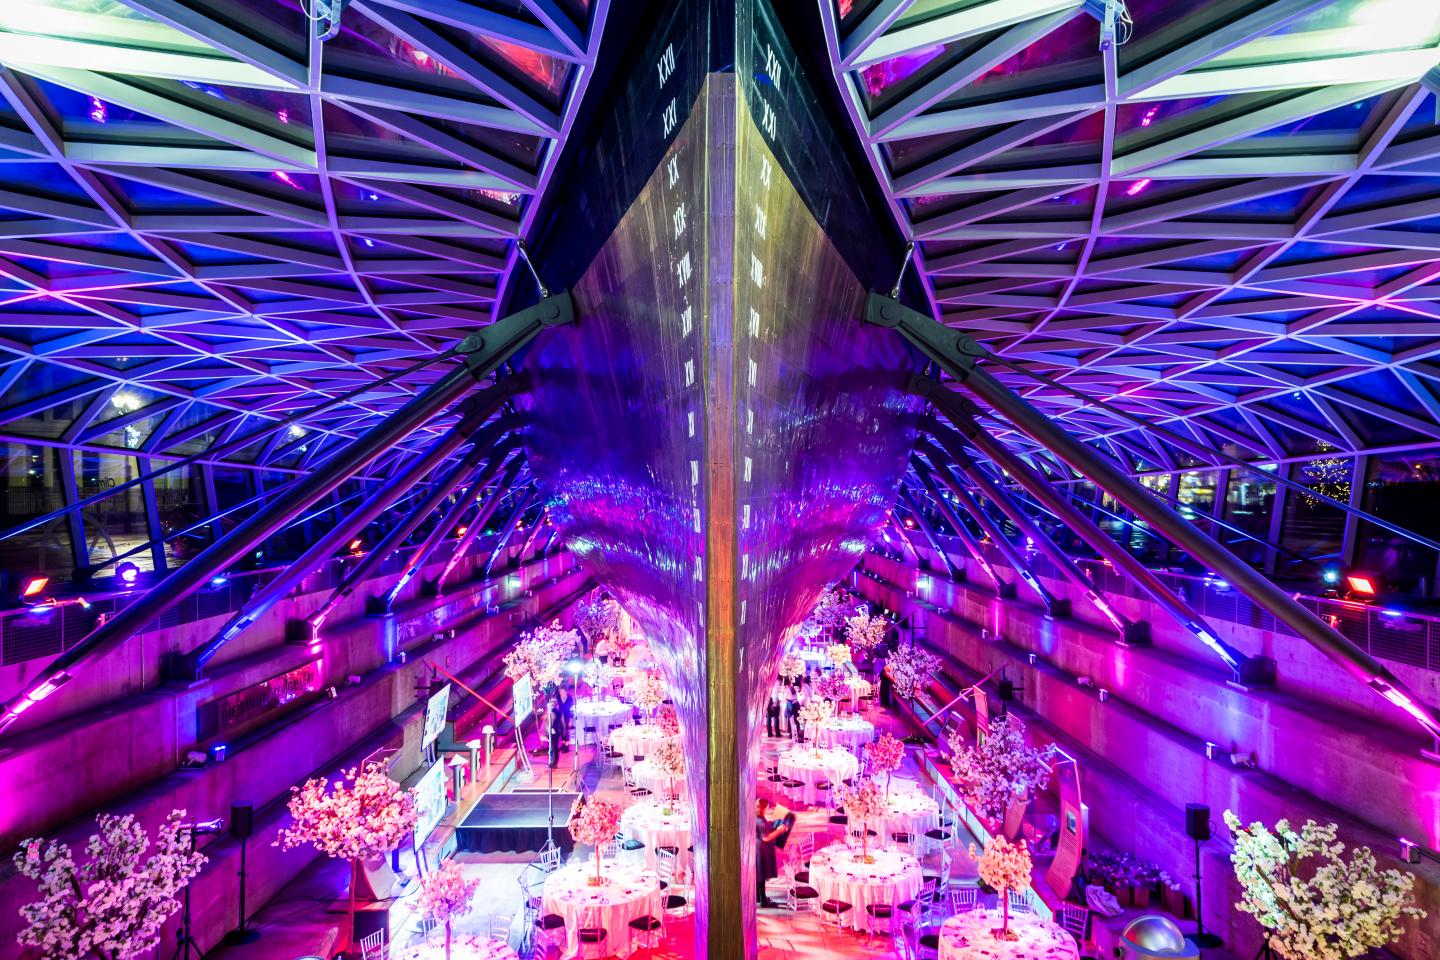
(445, 896)
(910, 669)
(1004, 866)
(364, 817)
(112, 906)
(1002, 770)
(1312, 902)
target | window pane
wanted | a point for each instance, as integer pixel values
(116, 525)
(1313, 527)
(33, 487)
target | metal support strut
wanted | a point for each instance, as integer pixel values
(481, 354)
(958, 354)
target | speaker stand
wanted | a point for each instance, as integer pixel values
(1200, 938)
(242, 934)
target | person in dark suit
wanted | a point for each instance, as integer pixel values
(792, 715)
(565, 703)
(772, 714)
(554, 730)
(766, 865)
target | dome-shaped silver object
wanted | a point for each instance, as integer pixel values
(1157, 936)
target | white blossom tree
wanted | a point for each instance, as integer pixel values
(1313, 903)
(112, 906)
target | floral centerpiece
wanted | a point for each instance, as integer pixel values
(540, 653)
(838, 653)
(864, 633)
(112, 906)
(1313, 903)
(669, 759)
(365, 816)
(1002, 770)
(814, 712)
(596, 822)
(910, 669)
(647, 693)
(1005, 866)
(832, 686)
(883, 755)
(668, 720)
(602, 621)
(791, 667)
(599, 675)
(445, 895)
(864, 803)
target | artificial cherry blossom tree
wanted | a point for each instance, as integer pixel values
(864, 633)
(364, 817)
(791, 667)
(865, 804)
(112, 906)
(884, 755)
(1005, 866)
(838, 653)
(833, 686)
(445, 896)
(602, 620)
(540, 653)
(1005, 769)
(829, 613)
(597, 822)
(910, 669)
(647, 693)
(814, 712)
(669, 759)
(1313, 902)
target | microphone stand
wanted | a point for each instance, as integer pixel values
(183, 939)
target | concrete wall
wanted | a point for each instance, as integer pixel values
(122, 757)
(1143, 750)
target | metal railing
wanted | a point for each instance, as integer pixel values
(33, 633)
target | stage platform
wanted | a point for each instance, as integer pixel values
(515, 823)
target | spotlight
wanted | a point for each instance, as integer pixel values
(128, 573)
(219, 581)
(1363, 586)
(1330, 574)
(33, 587)
(1033, 659)
(1104, 694)
(356, 546)
(1209, 750)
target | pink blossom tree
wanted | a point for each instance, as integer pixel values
(864, 633)
(1005, 769)
(910, 669)
(1004, 866)
(884, 755)
(365, 816)
(540, 653)
(596, 822)
(113, 905)
(647, 693)
(864, 803)
(445, 895)
(669, 759)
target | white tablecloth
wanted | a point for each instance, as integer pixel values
(637, 740)
(462, 947)
(803, 764)
(647, 822)
(849, 732)
(839, 872)
(648, 775)
(629, 894)
(911, 812)
(967, 937)
(601, 714)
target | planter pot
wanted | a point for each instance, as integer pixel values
(1140, 896)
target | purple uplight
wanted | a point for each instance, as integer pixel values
(1137, 186)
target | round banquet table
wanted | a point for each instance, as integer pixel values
(839, 872)
(966, 936)
(859, 687)
(648, 775)
(802, 763)
(647, 822)
(630, 893)
(463, 947)
(637, 740)
(601, 714)
(850, 732)
(909, 811)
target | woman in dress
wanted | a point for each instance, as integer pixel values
(766, 833)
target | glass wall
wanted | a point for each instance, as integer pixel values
(1312, 527)
(31, 486)
(1249, 504)
(1404, 489)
